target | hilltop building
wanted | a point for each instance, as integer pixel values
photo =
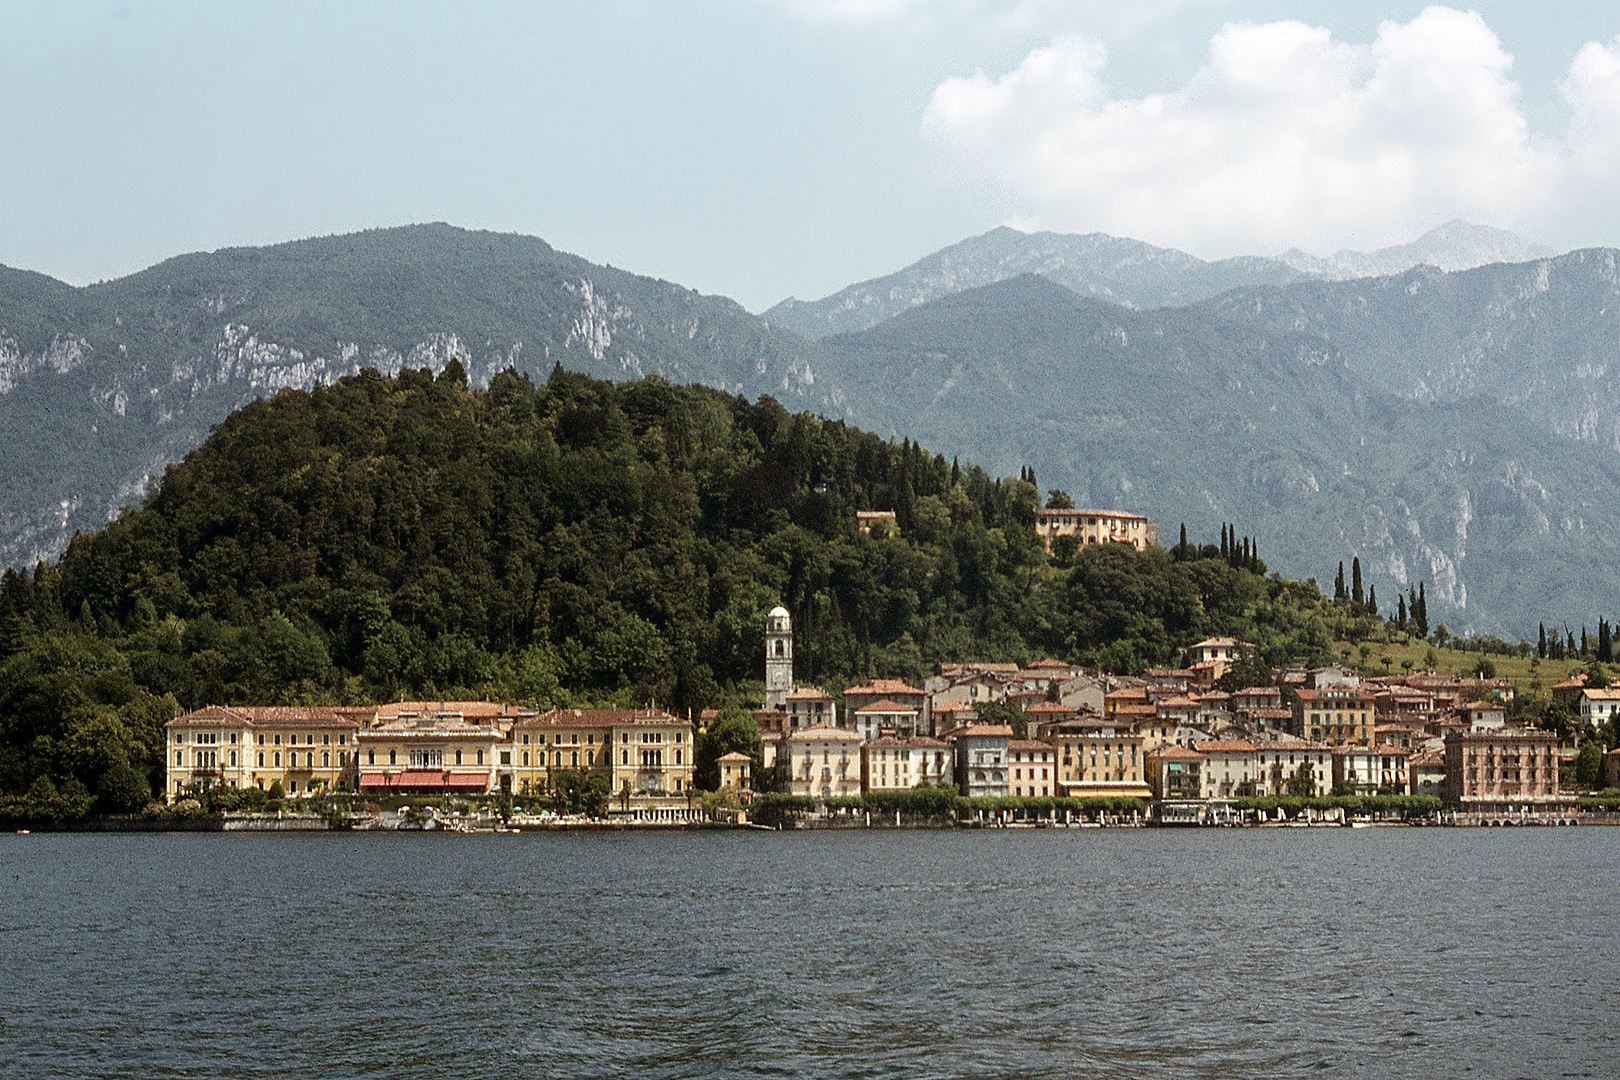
(1097, 527)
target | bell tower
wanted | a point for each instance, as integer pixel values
(778, 658)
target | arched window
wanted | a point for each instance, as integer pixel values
(261, 759)
(276, 759)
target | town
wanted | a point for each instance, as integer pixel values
(1168, 738)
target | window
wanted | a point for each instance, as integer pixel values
(343, 739)
(326, 738)
(480, 757)
(573, 758)
(525, 743)
(574, 738)
(458, 755)
(261, 740)
(179, 738)
(179, 757)
(326, 759)
(525, 758)
(277, 739)
(393, 756)
(506, 757)
(233, 758)
(371, 756)
(261, 759)
(624, 757)
(276, 759)
(428, 757)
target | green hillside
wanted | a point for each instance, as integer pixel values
(1190, 419)
(572, 541)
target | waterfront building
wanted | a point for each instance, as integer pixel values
(896, 764)
(1034, 766)
(307, 749)
(1371, 770)
(1096, 757)
(736, 770)
(821, 762)
(1502, 771)
(1176, 773)
(437, 748)
(1426, 772)
(982, 759)
(643, 753)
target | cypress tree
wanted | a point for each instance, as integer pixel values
(1421, 614)
(1226, 550)
(1585, 648)
(1605, 648)
(1357, 597)
(1338, 584)
(1372, 600)
(1541, 643)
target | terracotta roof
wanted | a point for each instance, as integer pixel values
(1028, 744)
(735, 755)
(983, 731)
(597, 718)
(918, 742)
(480, 709)
(1176, 753)
(822, 732)
(1229, 746)
(885, 706)
(274, 716)
(883, 686)
(1049, 708)
(808, 693)
(1049, 663)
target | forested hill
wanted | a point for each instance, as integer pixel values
(569, 541)
(101, 386)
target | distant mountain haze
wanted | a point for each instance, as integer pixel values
(1451, 426)
(1128, 272)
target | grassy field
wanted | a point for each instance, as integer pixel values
(1528, 675)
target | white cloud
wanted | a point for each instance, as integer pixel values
(1287, 137)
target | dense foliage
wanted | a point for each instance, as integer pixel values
(568, 542)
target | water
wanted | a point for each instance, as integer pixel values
(1143, 953)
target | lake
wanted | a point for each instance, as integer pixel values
(995, 953)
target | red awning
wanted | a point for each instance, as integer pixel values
(424, 780)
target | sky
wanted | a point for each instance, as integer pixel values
(766, 148)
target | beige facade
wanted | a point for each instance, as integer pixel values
(1337, 715)
(894, 764)
(736, 771)
(1097, 527)
(1034, 768)
(306, 749)
(431, 748)
(821, 762)
(1099, 759)
(643, 753)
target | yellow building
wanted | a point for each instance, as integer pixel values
(894, 764)
(1336, 715)
(442, 747)
(1097, 758)
(1097, 527)
(643, 752)
(307, 749)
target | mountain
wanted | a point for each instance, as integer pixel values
(1456, 245)
(102, 386)
(1458, 428)
(1192, 418)
(1543, 337)
(1127, 272)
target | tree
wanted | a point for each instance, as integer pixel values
(1357, 597)
(1303, 782)
(1372, 600)
(1058, 499)
(734, 731)
(1589, 764)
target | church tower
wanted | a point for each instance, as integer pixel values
(778, 658)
